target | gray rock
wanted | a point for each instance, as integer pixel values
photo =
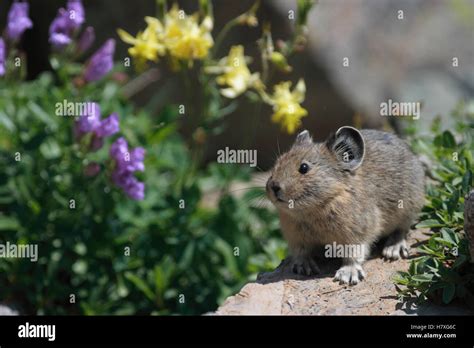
(6, 311)
(406, 60)
(283, 293)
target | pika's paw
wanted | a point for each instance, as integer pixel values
(395, 250)
(350, 274)
(304, 266)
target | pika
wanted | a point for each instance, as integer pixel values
(355, 188)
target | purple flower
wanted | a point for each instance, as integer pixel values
(86, 40)
(89, 122)
(134, 189)
(66, 22)
(119, 149)
(137, 155)
(2, 57)
(108, 126)
(126, 163)
(18, 20)
(75, 13)
(101, 62)
(60, 30)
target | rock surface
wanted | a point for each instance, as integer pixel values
(7, 311)
(282, 292)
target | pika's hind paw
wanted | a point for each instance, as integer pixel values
(304, 266)
(350, 274)
(395, 250)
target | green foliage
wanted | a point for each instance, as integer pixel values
(84, 250)
(444, 272)
(170, 253)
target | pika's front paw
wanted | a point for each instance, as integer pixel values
(350, 274)
(395, 250)
(304, 266)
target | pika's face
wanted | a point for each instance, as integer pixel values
(309, 175)
(302, 177)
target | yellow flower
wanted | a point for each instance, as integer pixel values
(286, 105)
(184, 37)
(234, 73)
(147, 45)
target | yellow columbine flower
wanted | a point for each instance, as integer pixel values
(234, 73)
(184, 37)
(147, 45)
(286, 105)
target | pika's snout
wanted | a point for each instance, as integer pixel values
(274, 188)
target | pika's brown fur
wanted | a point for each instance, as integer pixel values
(353, 189)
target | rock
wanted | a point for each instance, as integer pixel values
(255, 298)
(6, 311)
(282, 292)
(400, 50)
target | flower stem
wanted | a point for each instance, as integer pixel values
(222, 35)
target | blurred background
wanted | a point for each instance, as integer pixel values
(405, 56)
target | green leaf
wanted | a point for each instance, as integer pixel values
(160, 279)
(447, 235)
(42, 115)
(448, 293)
(448, 139)
(429, 224)
(460, 260)
(450, 187)
(7, 123)
(187, 256)
(453, 202)
(423, 278)
(467, 181)
(400, 279)
(162, 133)
(456, 181)
(9, 223)
(227, 252)
(141, 285)
(413, 268)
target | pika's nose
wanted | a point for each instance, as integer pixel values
(275, 188)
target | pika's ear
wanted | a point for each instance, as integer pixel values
(348, 146)
(303, 138)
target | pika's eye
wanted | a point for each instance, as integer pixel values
(303, 168)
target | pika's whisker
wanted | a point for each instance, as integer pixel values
(247, 188)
